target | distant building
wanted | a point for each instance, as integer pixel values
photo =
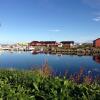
(34, 43)
(31, 48)
(48, 43)
(0, 47)
(59, 44)
(43, 43)
(67, 44)
(5, 47)
(96, 43)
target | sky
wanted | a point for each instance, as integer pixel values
(60, 20)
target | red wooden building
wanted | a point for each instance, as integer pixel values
(34, 43)
(67, 44)
(96, 43)
(43, 43)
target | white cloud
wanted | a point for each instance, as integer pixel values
(55, 30)
(97, 19)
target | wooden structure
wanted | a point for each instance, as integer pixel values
(96, 43)
(67, 44)
(43, 43)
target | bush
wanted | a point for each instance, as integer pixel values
(29, 85)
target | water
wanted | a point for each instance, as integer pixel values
(58, 63)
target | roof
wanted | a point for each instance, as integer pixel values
(46, 42)
(97, 39)
(67, 42)
(35, 42)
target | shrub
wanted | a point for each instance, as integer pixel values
(30, 85)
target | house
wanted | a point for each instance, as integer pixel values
(34, 43)
(43, 43)
(49, 43)
(96, 43)
(5, 47)
(0, 47)
(59, 44)
(67, 44)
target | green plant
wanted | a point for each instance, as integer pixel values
(31, 85)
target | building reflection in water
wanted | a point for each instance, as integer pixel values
(96, 58)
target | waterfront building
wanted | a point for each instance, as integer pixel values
(59, 44)
(34, 43)
(44, 43)
(67, 44)
(96, 43)
(0, 47)
(30, 48)
(5, 47)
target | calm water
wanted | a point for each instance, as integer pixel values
(59, 64)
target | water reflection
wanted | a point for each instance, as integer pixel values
(59, 63)
(96, 58)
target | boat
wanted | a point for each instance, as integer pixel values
(35, 52)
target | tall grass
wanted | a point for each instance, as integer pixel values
(41, 85)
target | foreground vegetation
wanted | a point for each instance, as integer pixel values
(32, 85)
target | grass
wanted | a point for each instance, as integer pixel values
(32, 85)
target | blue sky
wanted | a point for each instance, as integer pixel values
(27, 20)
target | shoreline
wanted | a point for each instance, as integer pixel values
(66, 52)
